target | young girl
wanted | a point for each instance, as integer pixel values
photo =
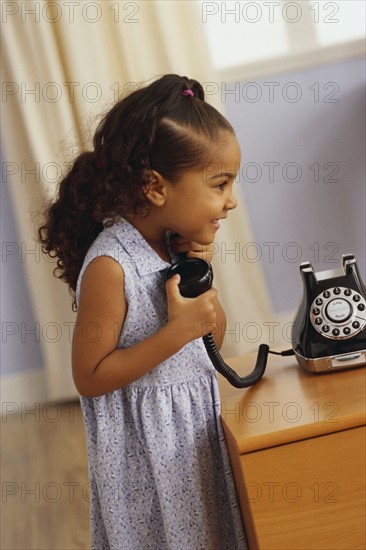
(157, 184)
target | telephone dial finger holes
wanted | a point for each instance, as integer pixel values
(338, 313)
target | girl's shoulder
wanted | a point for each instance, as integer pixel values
(112, 241)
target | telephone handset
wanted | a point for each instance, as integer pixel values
(329, 330)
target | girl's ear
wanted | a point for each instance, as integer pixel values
(156, 189)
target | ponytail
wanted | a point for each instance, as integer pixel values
(70, 226)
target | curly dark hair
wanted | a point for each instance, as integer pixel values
(153, 128)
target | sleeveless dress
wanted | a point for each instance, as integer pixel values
(159, 471)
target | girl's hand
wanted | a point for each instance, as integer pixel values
(192, 249)
(194, 317)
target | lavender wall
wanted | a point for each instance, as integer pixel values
(20, 340)
(303, 171)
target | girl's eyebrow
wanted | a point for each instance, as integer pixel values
(221, 174)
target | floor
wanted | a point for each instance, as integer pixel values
(45, 492)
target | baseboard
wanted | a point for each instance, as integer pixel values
(22, 390)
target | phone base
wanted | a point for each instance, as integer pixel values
(334, 362)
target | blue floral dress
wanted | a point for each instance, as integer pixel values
(160, 477)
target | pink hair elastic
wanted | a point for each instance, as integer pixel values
(188, 92)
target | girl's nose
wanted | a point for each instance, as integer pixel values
(231, 202)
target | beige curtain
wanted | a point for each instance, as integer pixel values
(63, 64)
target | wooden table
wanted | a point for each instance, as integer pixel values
(297, 447)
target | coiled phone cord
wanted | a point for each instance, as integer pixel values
(226, 371)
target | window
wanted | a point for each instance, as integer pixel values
(246, 32)
(337, 22)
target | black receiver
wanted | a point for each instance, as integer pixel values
(196, 277)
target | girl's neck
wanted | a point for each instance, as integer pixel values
(153, 235)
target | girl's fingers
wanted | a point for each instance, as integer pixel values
(192, 249)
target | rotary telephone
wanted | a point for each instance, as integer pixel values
(329, 330)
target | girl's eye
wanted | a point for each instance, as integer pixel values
(222, 185)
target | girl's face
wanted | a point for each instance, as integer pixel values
(202, 197)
